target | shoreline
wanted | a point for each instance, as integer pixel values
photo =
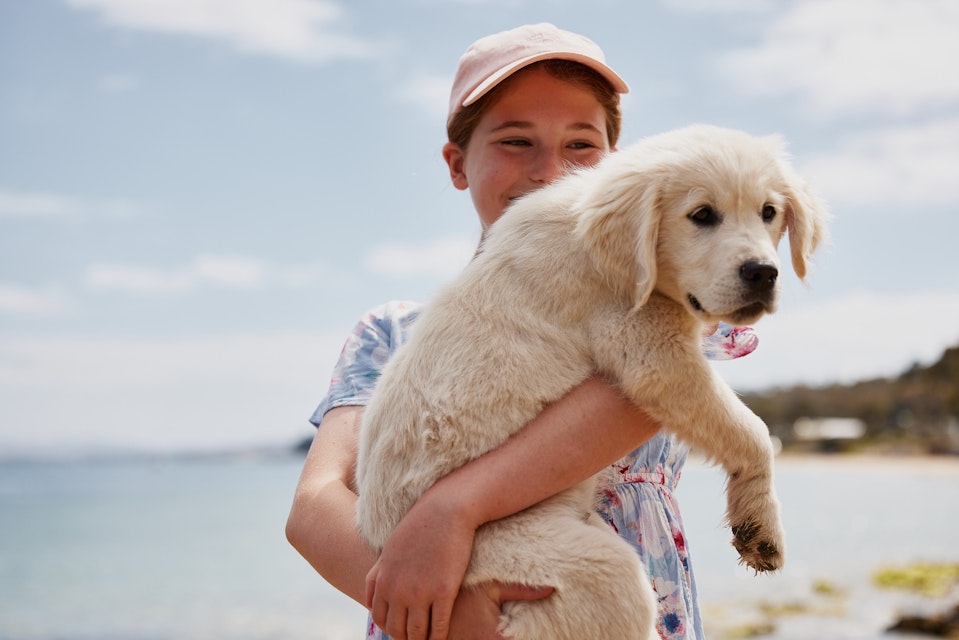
(818, 593)
(925, 463)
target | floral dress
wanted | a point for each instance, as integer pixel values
(638, 503)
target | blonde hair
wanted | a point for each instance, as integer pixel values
(460, 127)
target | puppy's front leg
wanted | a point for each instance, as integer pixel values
(702, 410)
(665, 373)
(745, 451)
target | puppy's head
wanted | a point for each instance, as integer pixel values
(697, 215)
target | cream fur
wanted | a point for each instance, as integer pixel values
(604, 271)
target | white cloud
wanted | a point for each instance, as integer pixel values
(853, 337)
(238, 273)
(304, 30)
(229, 272)
(20, 300)
(205, 271)
(118, 82)
(512, 3)
(443, 258)
(119, 364)
(20, 204)
(856, 56)
(227, 391)
(720, 6)
(429, 94)
(907, 167)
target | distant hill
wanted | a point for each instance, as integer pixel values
(919, 408)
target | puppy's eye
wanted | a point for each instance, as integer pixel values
(704, 216)
(769, 213)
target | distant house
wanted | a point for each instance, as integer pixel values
(828, 434)
(829, 428)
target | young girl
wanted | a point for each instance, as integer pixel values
(526, 105)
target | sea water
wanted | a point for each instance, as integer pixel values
(172, 548)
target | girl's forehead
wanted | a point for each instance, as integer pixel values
(540, 97)
(531, 83)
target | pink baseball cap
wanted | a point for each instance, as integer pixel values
(492, 59)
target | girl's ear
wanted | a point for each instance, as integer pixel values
(455, 158)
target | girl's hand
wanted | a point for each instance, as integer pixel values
(412, 587)
(477, 610)
(413, 590)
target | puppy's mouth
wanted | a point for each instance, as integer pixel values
(741, 315)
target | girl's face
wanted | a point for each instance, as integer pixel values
(536, 131)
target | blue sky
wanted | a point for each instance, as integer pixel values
(198, 198)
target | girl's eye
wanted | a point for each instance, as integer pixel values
(769, 213)
(582, 145)
(516, 142)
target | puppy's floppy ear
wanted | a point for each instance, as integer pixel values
(618, 225)
(806, 219)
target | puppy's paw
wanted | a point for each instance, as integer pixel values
(760, 548)
(753, 516)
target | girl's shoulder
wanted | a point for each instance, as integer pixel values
(386, 325)
(399, 313)
(374, 339)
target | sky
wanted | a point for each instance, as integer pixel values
(200, 198)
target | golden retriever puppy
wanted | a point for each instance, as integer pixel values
(615, 270)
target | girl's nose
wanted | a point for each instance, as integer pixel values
(547, 167)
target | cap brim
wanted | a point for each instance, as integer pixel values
(618, 84)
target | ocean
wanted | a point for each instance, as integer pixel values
(194, 548)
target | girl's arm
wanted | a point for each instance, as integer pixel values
(322, 527)
(413, 584)
(322, 521)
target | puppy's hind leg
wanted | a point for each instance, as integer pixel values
(600, 587)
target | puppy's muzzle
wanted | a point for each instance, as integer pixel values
(759, 277)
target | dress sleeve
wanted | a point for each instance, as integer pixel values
(367, 349)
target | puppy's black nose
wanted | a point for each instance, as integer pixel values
(759, 276)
